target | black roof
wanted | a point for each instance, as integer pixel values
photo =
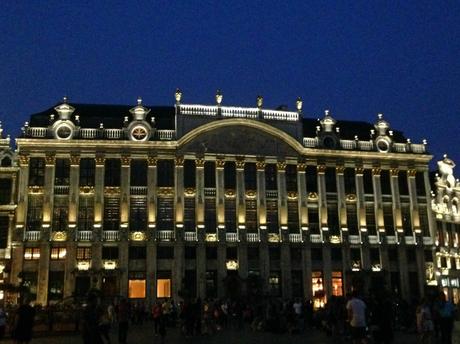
(112, 116)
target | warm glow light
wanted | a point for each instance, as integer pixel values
(163, 288)
(110, 265)
(136, 289)
(83, 265)
(232, 265)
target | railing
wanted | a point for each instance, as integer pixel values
(410, 240)
(165, 235)
(366, 145)
(210, 192)
(113, 134)
(271, 193)
(165, 135)
(31, 235)
(391, 240)
(310, 142)
(354, 239)
(88, 133)
(231, 237)
(315, 238)
(190, 236)
(295, 237)
(84, 235)
(280, 115)
(138, 190)
(193, 109)
(400, 147)
(61, 189)
(347, 144)
(36, 132)
(418, 148)
(427, 241)
(110, 235)
(373, 239)
(252, 237)
(240, 112)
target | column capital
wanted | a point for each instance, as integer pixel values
(74, 159)
(199, 162)
(220, 163)
(152, 161)
(359, 170)
(23, 160)
(412, 172)
(260, 165)
(179, 160)
(125, 160)
(100, 160)
(376, 171)
(301, 167)
(239, 163)
(340, 169)
(50, 159)
(394, 172)
(281, 166)
(321, 168)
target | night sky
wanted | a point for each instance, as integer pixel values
(356, 58)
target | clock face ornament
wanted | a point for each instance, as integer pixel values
(64, 132)
(139, 133)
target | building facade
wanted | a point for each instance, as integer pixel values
(214, 201)
(445, 203)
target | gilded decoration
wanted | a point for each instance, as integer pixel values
(359, 170)
(230, 193)
(23, 159)
(312, 196)
(321, 168)
(220, 163)
(273, 237)
(100, 160)
(251, 194)
(87, 189)
(59, 236)
(50, 159)
(351, 198)
(412, 172)
(292, 195)
(301, 167)
(189, 192)
(112, 190)
(165, 191)
(138, 236)
(239, 163)
(211, 237)
(35, 189)
(281, 165)
(199, 162)
(394, 172)
(74, 160)
(340, 169)
(179, 161)
(260, 165)
(152, 161)
(125, 160)
(376, 171)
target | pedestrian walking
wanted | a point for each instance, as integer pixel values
(23, 323)
(446, 314)
(357, 317)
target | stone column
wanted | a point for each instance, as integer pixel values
(341, 197)
(21, 210)
(151, 191)
(74, 190)
(431, 216)
(13, 189)
(99, 191)
(286, 276)
(282, 194)
(199, 163)
(264, 263)
(10, 237)
(302, 195)
(220, 194)
(179, 194)
(396, 201)
(70, 265)
(378, 204)
(221, 268)
(241, 216)
(201, 247)
(125, 191)
(151, 268)
(327, 269)
(48, 198)
(201, 269)
(322, 200)
(361, 212)
(43, 273)
(307, 270)
(413, 201)
(178, 272)
(96, 263)
(123, 263)
(17, 260)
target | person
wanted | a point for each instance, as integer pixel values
(24, 322)
(157, 311)
(357, 317)
(90, 329)
(104, 325)
(123, 319)
(162, 328)
(425, 325)
(446, 314)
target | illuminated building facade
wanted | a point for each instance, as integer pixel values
(445, 205)
(212, 201)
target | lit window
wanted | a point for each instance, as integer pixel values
(319, 297)
(337, 283)
(83, 253)
(31, 253)
(58, 252)
(163, 288)
(136, 289)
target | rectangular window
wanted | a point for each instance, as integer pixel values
(165, 214)
(424, 222)
(137, 252)
(229, 175)
(210, 221)
(109, 252)
(211, 252)
(83, 253)
(31, 253)
(317, 288)
(385, 182)
(349, 180)
(136, 288)
(165, 173)
(316, 254)
(331, 182)
(138, 214)
(337, 283)
(336, 254)
(190, 252)
(87, 171)
(420, 184)
(291, 177)
(370, 219)
(271, 177)
(112, 172)
(272, 216)
(312, 179)
(189, 214)
(189, 174)
(4, 229)
(251, 216)
(55, 285)
(163, 288)
(388, 219)
(37, 171)
(333, 219)
(62, 172)
(352, 221)
(5, 191)
(209, 174)
(293, 216)
(367, 180)
(111, 213)
(402, 182)
(34, 213)
(375, 256)
(355, 256)
(85, 213)
(406, 220)
(313, 220)
(230, 215)
(58, 253)
(60, 214)
(250, 176)
(139, 171)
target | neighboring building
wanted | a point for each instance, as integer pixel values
(211, 201)
(445, 206)
(8, 177)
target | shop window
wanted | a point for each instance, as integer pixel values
(337, 283)
(163, 288)
(31, 253)
(319, 296)
(136, 288)
(58, 253)
(55, 285)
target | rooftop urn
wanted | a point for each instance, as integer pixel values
(139, 112)
(64, 110)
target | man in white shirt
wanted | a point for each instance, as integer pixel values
(357, 317)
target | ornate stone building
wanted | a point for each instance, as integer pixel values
(213, 201)
(445, 271)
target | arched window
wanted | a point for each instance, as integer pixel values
(6, 162)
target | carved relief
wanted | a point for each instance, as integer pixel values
(152, 161)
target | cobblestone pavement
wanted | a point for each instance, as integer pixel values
(143, 334)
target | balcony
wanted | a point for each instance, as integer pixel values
(165, 135)
(427, 241)
(315, 238)
(165, 235)
(271, 193)
(190, 236)
(354, 239)
(410, 240)
(138, 190)
(110, 235)
(61, 189)
(210, 192)
(373, 239)
(252, 237)
(391, 240)
(231, 237)
(295, 237)
(31, 235)
(84, 235)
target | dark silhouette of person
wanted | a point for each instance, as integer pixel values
(23, 324)
(90, 329)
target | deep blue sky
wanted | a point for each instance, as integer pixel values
(356, 58)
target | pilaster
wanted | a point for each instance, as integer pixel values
(21, 209)
(151, 191)
(302, 195)
(43, 273)
(125, 191)
(282, 194)
(322, 200)
(99, 191)
(74, 191)
(48, 190)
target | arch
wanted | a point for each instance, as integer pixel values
(6, 161)
(263, 128)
